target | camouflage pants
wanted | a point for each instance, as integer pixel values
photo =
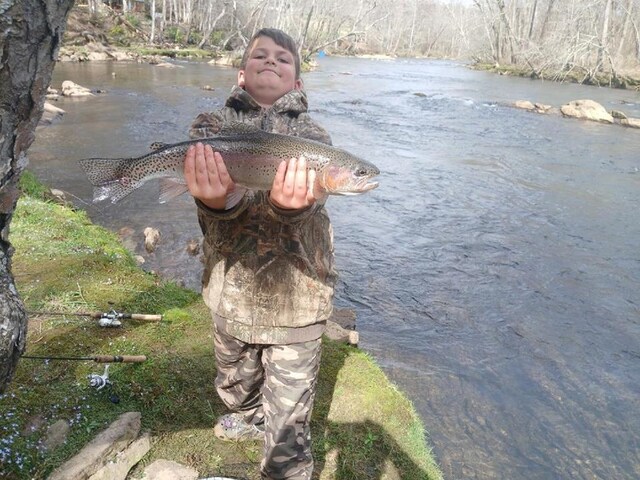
(274, 385)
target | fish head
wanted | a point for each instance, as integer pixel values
(351, 176)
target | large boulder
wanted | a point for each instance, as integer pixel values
(70, 89)
(586, 110)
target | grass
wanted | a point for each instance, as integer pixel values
(363, 427)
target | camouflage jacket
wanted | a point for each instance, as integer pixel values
(269, 273)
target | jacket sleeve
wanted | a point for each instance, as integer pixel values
(229, 214)
(206, 125)
(306, 127)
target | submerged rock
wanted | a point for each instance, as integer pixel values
(630, 122)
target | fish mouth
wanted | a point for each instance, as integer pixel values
(370, 186)
(361, 186)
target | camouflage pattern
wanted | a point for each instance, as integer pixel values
(273, 385)
(269, 272)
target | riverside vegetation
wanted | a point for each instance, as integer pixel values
(363, 426)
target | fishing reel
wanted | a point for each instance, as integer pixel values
(99, 381)
(110, 319)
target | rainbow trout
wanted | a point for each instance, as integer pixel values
(251, 156)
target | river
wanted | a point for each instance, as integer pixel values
(495, 272)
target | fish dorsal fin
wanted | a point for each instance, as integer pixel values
(155, 146)
(238, 128)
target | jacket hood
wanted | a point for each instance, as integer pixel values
(294, 102)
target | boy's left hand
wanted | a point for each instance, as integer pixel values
(293, 186)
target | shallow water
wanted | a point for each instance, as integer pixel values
(495, 272)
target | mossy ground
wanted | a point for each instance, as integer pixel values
(363, 427)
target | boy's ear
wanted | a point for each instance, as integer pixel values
(241, 78)
(298, 85)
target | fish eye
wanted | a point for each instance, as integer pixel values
(361, 172)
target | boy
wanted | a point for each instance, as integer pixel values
(269, 269)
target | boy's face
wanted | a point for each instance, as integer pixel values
(270, 72)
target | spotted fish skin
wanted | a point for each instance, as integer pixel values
(251, 157)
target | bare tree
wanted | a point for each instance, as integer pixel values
(30, 34)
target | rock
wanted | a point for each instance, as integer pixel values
(52, 94)
(56, 435)
(151, 238)
(340, 334)
(59, 197)
(586, 110)
(524, 104)
(125, 232)
(542, 108)
(532, 107)
(208, 87)
(70, 89)
(139, 259)
(119, 56)
(118, 467)
(97, 56)
(193, 247)
(225, 60)
(33, 424)
(420, 94)
(50, 113)
(168, 65)
(631, 122)
(168, 470)
(93, 456)
(341, 326)
(618, 114)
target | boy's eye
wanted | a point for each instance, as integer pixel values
(283, 60)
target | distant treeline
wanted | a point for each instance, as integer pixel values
(544, 37)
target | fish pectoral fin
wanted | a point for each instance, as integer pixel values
(235, 196)
(155, 146)
(171, 188)
(238, 128)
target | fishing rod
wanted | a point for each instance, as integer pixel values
(111, 318)
(96, 380)
(95, 358)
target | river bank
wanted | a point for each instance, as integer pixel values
(111, 36)
(64, 264)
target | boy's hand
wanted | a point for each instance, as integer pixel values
(206, 176)
(293, 186)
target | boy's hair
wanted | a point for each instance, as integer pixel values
(281, 39)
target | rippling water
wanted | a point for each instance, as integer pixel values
(495, 272)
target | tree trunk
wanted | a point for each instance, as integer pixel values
(604, 38)
(625, 28)
(532, 21)
(545, 22)
(30, 34)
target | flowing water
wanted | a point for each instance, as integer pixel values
(495, 272)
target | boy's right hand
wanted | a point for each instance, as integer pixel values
(206, 176)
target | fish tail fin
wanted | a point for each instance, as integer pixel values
(109, 178)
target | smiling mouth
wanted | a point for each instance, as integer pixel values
(269, 70)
